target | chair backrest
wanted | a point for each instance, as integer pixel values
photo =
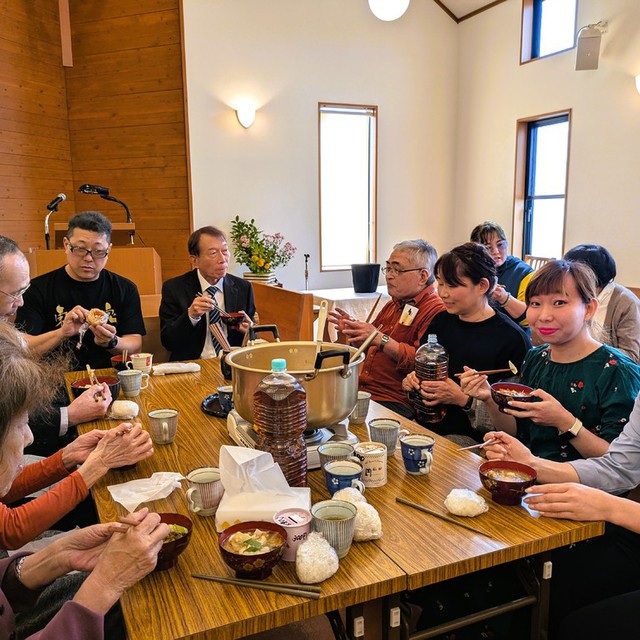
(290, 311)
(536, 261)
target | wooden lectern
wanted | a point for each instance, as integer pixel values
(140, 264)
(120, 234)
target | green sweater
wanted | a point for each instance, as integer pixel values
(599, 390)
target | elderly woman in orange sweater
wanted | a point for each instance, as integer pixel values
(76, 468)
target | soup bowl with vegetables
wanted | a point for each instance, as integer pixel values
(506, 481)
(252, 549)
(503, 392)
(176, 542)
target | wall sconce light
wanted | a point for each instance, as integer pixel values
(638, 83)
(246, 116)
(388, 10)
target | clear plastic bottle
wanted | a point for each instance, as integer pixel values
(280, 415)
(432, 363)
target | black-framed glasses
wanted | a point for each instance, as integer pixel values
(18, 294)
(392, 271)
(96, 254)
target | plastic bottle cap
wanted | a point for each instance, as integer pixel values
(432, 338)
(278, 364)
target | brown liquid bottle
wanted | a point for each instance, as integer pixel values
(280, 415)
(431, 363)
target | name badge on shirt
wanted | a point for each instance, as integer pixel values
(408, 314)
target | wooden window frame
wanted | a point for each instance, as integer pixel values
(520, 178)
(528, 33)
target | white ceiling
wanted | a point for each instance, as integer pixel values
(461, 8)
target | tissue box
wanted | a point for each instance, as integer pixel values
(244, 507)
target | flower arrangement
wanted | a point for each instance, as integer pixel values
(261, 252)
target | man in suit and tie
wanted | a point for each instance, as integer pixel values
(192, 301)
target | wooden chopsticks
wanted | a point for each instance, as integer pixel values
(215, 304)
(302, 590)
(373, 309)
(93, 379)
(216, 332)
(419, 507)
(487, 372)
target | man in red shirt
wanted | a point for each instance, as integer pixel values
(401, 322)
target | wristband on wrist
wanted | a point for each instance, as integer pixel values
(112, 343)
(506, 302)
(575, 428)
(468, 405)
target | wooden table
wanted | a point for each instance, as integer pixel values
(172, 604)
(415, 550)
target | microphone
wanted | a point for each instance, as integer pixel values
(53, 205)
(94, 189)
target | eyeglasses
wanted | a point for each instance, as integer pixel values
(18, 294)
(96, 254)
(392, 271)
(497, 246)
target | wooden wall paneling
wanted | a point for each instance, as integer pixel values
(127, 118)
(35, 157)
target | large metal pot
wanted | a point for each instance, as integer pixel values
(330, 380)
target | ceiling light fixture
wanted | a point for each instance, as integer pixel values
(388, 10)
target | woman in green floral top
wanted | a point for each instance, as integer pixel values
(586, 389)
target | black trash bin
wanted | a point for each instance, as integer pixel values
(365, 277)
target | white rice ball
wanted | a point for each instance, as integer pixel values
(368, 525)
(124, 409)
(463, 502)
(349, 494)
(316, 559)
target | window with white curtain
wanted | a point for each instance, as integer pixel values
(347, 177)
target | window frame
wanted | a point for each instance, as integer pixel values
(523, 177)
(373, 181)
(530, 32)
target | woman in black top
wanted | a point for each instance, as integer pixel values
(472, 333)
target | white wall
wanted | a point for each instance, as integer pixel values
(604, 166)
(289, 55)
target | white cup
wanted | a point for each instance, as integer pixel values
(373, 457)
(205, 490)
(141, 362)
(131, 382)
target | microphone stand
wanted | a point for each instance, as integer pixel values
(129, 220)
(306, 271)
(46, 228)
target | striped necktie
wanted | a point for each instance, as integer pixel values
(214, 317)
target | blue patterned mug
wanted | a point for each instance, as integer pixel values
(417, 453)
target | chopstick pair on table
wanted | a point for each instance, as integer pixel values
(441, 516)
(302, 590)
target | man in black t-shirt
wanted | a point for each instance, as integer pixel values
(65, 296)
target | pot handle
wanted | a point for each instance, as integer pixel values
(331, 353)
(257, 328)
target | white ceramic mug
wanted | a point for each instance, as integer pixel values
(386, 431)
(373, 457)
(205, 490)
(141, 362)
(360, 411)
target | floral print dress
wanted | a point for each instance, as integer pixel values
(599, 390)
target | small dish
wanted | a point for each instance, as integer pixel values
(169, 552)
(255, 566)
(503, 392)
(211, 406)
(506, 481)
(232, 319)
(80, 386)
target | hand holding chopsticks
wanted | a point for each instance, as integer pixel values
(511, 369)
(93, 379)
(302, 590)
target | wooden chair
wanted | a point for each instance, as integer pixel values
(536, 261)
(290, 311)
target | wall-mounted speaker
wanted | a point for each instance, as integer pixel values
(588, 49)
